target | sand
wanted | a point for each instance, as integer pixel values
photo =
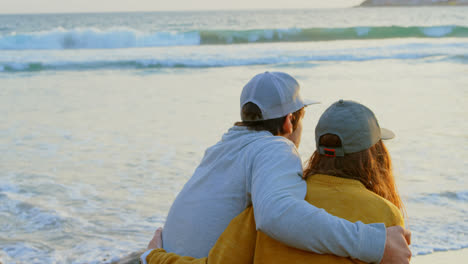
(456, 256)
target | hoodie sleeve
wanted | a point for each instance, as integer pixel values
(278, 193)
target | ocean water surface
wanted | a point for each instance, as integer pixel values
(104, 117)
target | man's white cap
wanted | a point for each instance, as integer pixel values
(275, 93)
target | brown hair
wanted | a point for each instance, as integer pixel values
(251, 111)
(372, 167)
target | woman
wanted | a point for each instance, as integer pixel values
(349, 175)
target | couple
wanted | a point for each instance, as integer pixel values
(249, 200)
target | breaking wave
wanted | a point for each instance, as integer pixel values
(93, 38)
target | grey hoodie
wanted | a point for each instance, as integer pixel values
(248, 167)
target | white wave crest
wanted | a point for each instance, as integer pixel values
(437, 32)
(92, 38)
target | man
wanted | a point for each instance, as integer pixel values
(256, 163)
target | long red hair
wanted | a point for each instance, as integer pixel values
(372, 167)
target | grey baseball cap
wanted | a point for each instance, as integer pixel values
(355, 125)
(275, 93)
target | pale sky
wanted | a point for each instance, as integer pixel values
(59, 6)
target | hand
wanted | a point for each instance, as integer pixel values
(396, 246)
(156, 242)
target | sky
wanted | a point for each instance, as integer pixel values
(60, 6)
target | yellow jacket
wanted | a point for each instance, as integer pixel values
(241, 243)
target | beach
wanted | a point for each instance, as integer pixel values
(456, 256)
(101, 127)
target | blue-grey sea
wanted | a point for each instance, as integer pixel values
(104, 117)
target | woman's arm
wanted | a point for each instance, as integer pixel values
(157, 255)
(160, 256)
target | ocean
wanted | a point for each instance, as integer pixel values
(105, 116)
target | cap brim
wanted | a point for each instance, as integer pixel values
(310, 102)
(386, 134)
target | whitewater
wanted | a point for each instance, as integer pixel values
(105, 116)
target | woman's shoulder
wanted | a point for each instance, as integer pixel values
(390, 212)
(349, 199)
